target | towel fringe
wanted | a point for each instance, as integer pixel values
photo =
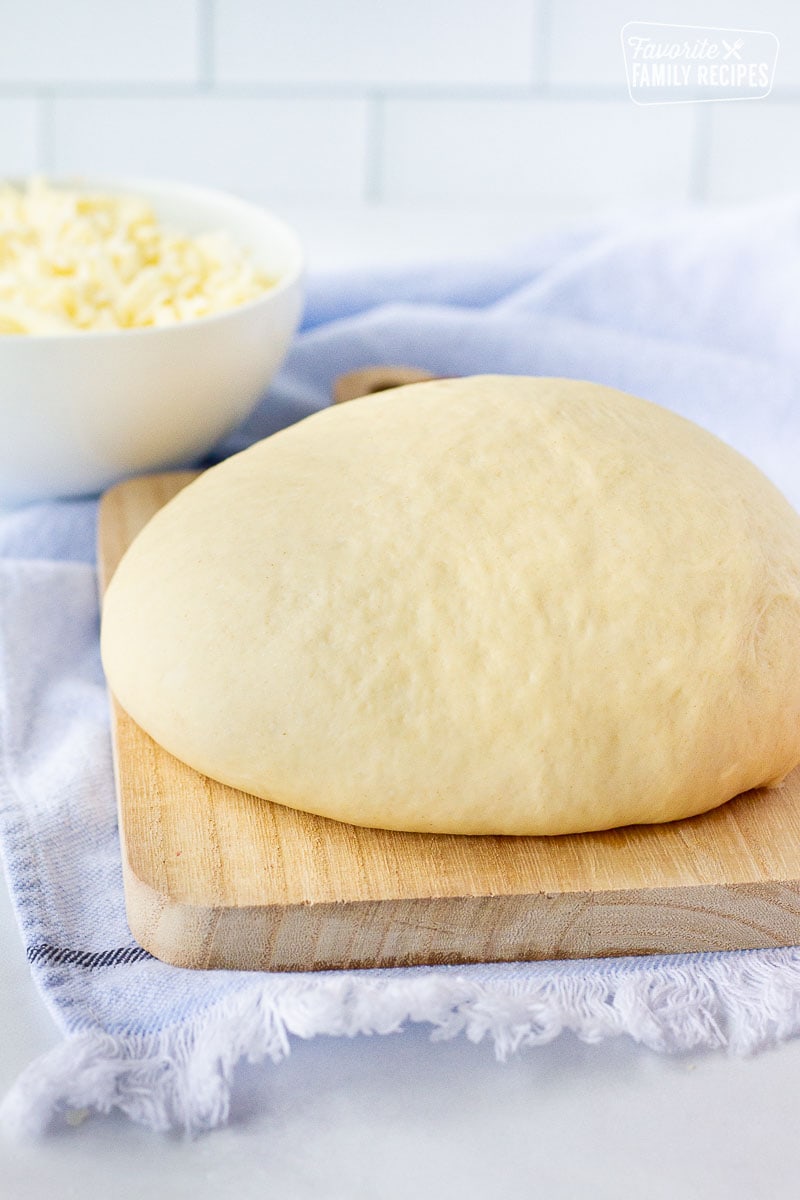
(182, 1076)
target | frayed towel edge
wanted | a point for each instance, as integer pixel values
(182, 1076)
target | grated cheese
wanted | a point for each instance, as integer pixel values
(71, 261)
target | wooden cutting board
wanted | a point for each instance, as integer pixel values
(217, 878)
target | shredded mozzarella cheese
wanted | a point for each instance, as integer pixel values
(71, 261)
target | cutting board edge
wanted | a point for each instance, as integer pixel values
(425, 931)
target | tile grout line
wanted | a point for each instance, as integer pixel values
(206, 56)
(589, 93)
(701, 152)
(542, 45)
(429, 93)
(45, 132)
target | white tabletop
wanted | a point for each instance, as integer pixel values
(399, 1116)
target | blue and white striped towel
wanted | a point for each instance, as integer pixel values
(699, 313)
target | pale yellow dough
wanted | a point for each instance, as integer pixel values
(489, 605)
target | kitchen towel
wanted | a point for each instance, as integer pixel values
(698, 312)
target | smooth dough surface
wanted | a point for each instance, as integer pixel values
(488, 605)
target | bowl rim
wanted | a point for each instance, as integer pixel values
(189, 191)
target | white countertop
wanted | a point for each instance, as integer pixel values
(393, 1117)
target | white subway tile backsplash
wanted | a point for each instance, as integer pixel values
(585, 36)
(436, 43)
(585, 46)
(18, 140)
(262, 148)
(751, 154)
(53, 42)
(572, 153)
(493, 103)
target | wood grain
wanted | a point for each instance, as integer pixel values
(376, 379)
(217, 878)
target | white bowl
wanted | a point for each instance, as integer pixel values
(79, 411)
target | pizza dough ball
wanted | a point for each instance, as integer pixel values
(493, 605)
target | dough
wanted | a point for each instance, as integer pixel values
(489, 605)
